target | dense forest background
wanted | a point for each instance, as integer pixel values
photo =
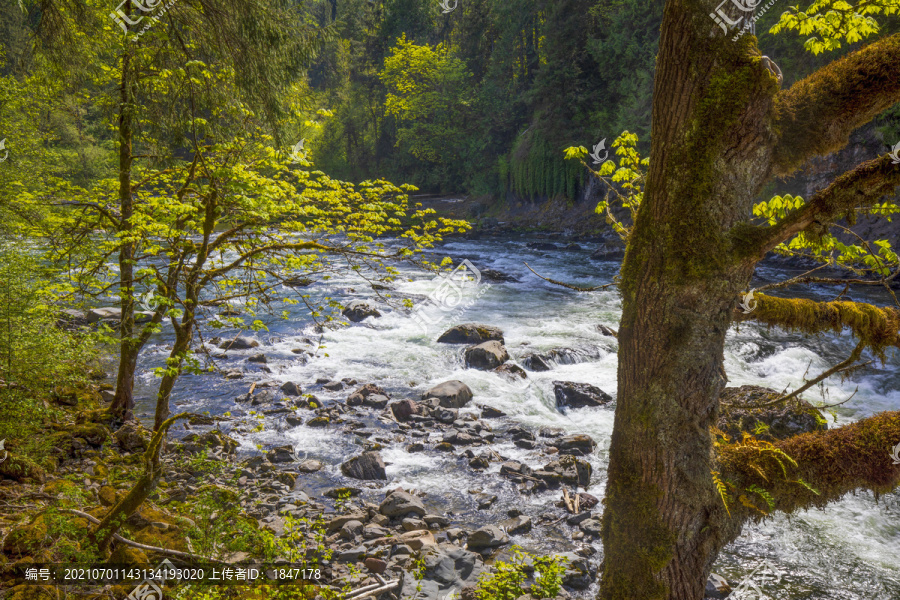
(481, 100)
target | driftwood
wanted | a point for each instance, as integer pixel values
(373, 590)
(127, 542)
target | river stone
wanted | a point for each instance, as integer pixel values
(578, 395)
(132, 436)
(608, 252)
(495, 276)
(511, 371)
(400, 503)
(258, 358)
(451, 394)
(293, 421)
(239, 343)
(535, 362)
(366, 466)
(486, 356)
(281, 454)
(517, 525)
(489, 536)
(542, 246)
(291, 389)
(717, 587)
(362, 393)
(447, 570)
(404, 409)
(567, 469)
(358, 310)
(471, 333)
(514, 469)
(489, 412)
(104, 314)
(784, 420)
(576, 445)
(310, 465)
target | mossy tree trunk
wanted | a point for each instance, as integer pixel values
(721, 129)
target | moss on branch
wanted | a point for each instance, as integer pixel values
(817, 114)
(876, 327)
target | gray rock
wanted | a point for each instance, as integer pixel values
(579, 518)
(489, 536)
(258, 358)
(239, 343)
(281, 454)
(578, 395)
(511, 371)
(486, 356)
(590, 527)
(471, 333)
(366, 466)
(513, 468)
(451, 394)
(333, 386)
(293, 421)
(776, 422)
(358, 310)
(489, 412)
(362, 393)
(310, 465)
(576, 445)
(404, 409)
(447, 570)
(291, 389)
(399, 503)
(517, 525)
(717, 587)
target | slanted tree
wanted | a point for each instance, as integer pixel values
(722, 129)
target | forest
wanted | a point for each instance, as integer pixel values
(449, 299)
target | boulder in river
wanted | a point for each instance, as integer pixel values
(578, 395)
(281, 454)
(451, 394)
(357, 311)
(489, 536)
(486, 356)
(400, 503)
(741, 412)
(496, 276)
(404, 409)
(535, 362)
(363, 393)
(366, 466)
(542, 246)
(576, 445)
(291, 389)
(609, 252)
(239, 343)
(471, 333)
(511, 371)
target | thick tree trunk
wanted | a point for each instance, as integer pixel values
(718, 137)
(123, 402)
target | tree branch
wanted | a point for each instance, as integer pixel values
(817, 114)
(863, 186)
(577, 288)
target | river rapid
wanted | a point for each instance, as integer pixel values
(850, 550)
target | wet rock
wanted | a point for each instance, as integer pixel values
(590, 527)
(310, 465)
(291, 389)
(579, 518)
(333, 386)
(486, 356)
(496, 276)
(471, 333)
(363, 393)
(607, 331)
(239, 343)
(447, 569)
(567, 469)
(479, 463)
(436, 520)
(451, 394)
(489, 536)
(367, 466)
(415, 447)
(413, 525)
(489, 412)
(578, 395)
(358, 310)
(258, 358)
(517, 525)
(542, 246)
(132, 436)
(318, 422)
(576, 445)
(609, 252)
(400, 503)
(214, 440)
(341, 492)
(511, 371)
(485, 501)
(776, 422)
(587, 501)
(514, 469)
(404, 409)
(281, 454)
(717, 587)
(293, 421)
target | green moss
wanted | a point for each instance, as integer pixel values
(22, 469)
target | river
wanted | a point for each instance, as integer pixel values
(851, 550)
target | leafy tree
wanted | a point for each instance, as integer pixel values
(722, 129)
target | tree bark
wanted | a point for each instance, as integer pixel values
(715, 144)
(123, 402)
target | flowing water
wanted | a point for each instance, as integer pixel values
(850, 550)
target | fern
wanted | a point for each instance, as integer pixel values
(764, 495)
(722, 489)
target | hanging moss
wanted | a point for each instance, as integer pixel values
(877, 327)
